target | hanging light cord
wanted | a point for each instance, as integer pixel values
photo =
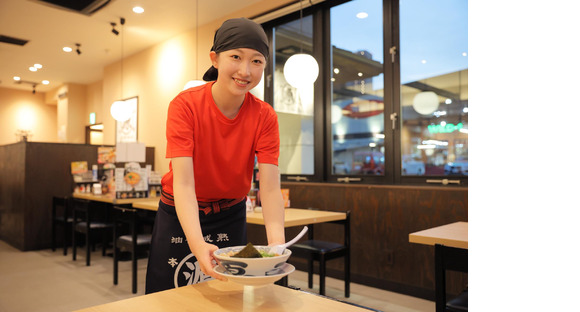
(301, 34)
(122, 53)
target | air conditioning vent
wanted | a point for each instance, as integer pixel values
(86, 7)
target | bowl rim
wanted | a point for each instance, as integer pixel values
(286, 253)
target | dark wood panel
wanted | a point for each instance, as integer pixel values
(42, 171)
(382, 218)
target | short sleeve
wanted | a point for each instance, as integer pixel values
(179, 129)
(268, 147)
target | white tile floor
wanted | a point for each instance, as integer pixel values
(48, 281)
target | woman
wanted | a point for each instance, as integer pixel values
(214, 133)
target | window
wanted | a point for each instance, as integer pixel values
(295, 106)
(357, 109)
(390, 102)
(434, 110)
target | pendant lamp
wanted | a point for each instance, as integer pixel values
(195, 83)
(119, 109)
(301, 69)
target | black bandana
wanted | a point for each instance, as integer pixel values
(237, 33)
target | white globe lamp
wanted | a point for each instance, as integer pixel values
(120, 111)
(426, 103)
(193, 83)
(301, 70)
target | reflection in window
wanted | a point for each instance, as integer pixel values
(434, 99)
(294, 106)
(357, 88)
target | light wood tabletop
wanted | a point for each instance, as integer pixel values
(150, 204)
(112, 200)
(298, 217)
(451, 235)
(217, 296)
(292, 216)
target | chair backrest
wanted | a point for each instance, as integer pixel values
(345, 223)
(125, 215)
(60, 202)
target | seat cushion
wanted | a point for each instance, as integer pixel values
(142, 239)
(317, 246)
(458, 304)
(94, 225)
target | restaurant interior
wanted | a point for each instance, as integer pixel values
(373, 150)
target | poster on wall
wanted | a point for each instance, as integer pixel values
(127, 130)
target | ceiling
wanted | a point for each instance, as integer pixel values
(49, 29)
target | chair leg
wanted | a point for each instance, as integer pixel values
(53, 245)
(65, 237)
(310, 270)
(322, 268)
(347, 275)
(104, 243)
(88, 246)
(134, 260)
(115, 265)
(74, 245)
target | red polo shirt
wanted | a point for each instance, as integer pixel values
(222, 149)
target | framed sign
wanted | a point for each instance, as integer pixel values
(127, 130)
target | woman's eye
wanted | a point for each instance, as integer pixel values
(236, 57)
(258, 61)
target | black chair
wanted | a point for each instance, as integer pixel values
(453, 259)
(323, 251)
(90, 218)
(133, 242)
(61, 216)
(457, 304)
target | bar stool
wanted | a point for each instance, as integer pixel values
(133, 242)
(90, 218)
(61, 216)
(322, 251)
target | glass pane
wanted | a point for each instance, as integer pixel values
(357, 88)
(295, 106)
(434, 87)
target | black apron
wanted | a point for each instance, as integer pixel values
(171, 263)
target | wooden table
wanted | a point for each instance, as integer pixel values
(110, 200)
(292, 216)
(450, 243)
(298, 217)
(217, 296)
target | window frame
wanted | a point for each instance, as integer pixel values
(323, 100)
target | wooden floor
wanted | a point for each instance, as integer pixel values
(48, 281)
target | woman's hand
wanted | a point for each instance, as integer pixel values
(204, 254)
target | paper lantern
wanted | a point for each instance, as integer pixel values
(120, 111)
(301, 70)
(425, 103)
(193, 83)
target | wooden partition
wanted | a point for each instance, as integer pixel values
(31, 174)
(382, 218)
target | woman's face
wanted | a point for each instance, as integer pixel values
(239, 70)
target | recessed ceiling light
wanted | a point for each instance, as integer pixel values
(362, 15)
(424, 61)
(360, 74)
(138, 10)
(67, 49)
(45, 82)
(39, 66)
(16, 78)
(336, 70)
(464, 53)
(32, 68)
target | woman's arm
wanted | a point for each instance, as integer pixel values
(272, 203)
(187, 211)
